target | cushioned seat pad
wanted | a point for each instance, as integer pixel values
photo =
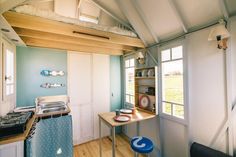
(141, 145)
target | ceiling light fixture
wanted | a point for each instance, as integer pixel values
(140, 56)
(220, 34)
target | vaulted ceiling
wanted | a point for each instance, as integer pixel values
(157, 20)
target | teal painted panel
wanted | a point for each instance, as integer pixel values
(29, 63)
(115, 83)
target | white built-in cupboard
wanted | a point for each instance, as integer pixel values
(89, 90)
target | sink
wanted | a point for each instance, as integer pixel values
(49, 107)
(53, 109)
(51, 104)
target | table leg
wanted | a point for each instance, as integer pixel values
(138, 128)
(138, 133)
(100, 137)
(113, 141)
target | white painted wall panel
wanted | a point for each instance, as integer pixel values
(207, 99)
(232, 48)
(174, 139)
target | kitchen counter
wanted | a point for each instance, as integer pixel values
(19, 137)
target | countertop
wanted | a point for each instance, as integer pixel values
(19, 137)
(138, 116)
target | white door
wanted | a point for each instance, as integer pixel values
(80, 92)
(101, 90)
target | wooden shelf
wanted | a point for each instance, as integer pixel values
(144, 110)
(141, 68)
(146, 82)
(144, 77)
(145, 86)
(144, 93)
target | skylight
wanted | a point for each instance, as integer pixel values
(87, 18)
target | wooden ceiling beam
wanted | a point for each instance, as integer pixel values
(66, 46)
(68, 39)
(51, 26)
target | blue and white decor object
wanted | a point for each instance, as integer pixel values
(52, 85)
(52, 73)
(53, 136)
(141, 145)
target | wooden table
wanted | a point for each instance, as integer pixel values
(107, 118)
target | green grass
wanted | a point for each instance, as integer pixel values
(173, 92)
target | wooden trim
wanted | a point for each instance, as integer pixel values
(68, 39)
(50, 26)
(66, 46)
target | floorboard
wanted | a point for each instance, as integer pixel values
(91, 149)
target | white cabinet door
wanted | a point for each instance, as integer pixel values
(80, 92)
(15, 149)
(89, 88)
(101, 90)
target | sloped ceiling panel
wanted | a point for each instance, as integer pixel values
(199, 12)
(231, 7)
(161, 17)
(112, 5)
(89, 8)
(136, 21)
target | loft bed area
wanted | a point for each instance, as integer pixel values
(81, 27)
(48, 14)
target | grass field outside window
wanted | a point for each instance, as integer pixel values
(172, 82)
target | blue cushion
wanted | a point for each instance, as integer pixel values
(141, 145)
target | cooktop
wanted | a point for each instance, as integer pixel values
(14, 123)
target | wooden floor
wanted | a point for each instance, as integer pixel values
(91, 149)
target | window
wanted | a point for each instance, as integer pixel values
(9, 72)
(172, 82)
(129, 81)
(88, 18)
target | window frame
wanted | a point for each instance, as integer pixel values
(124, 78)
(185, 82)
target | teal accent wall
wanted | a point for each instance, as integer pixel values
(115, 83)
(29, 63)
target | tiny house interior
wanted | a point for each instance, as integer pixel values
(93, 78)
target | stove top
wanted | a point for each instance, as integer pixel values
(14, 123)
